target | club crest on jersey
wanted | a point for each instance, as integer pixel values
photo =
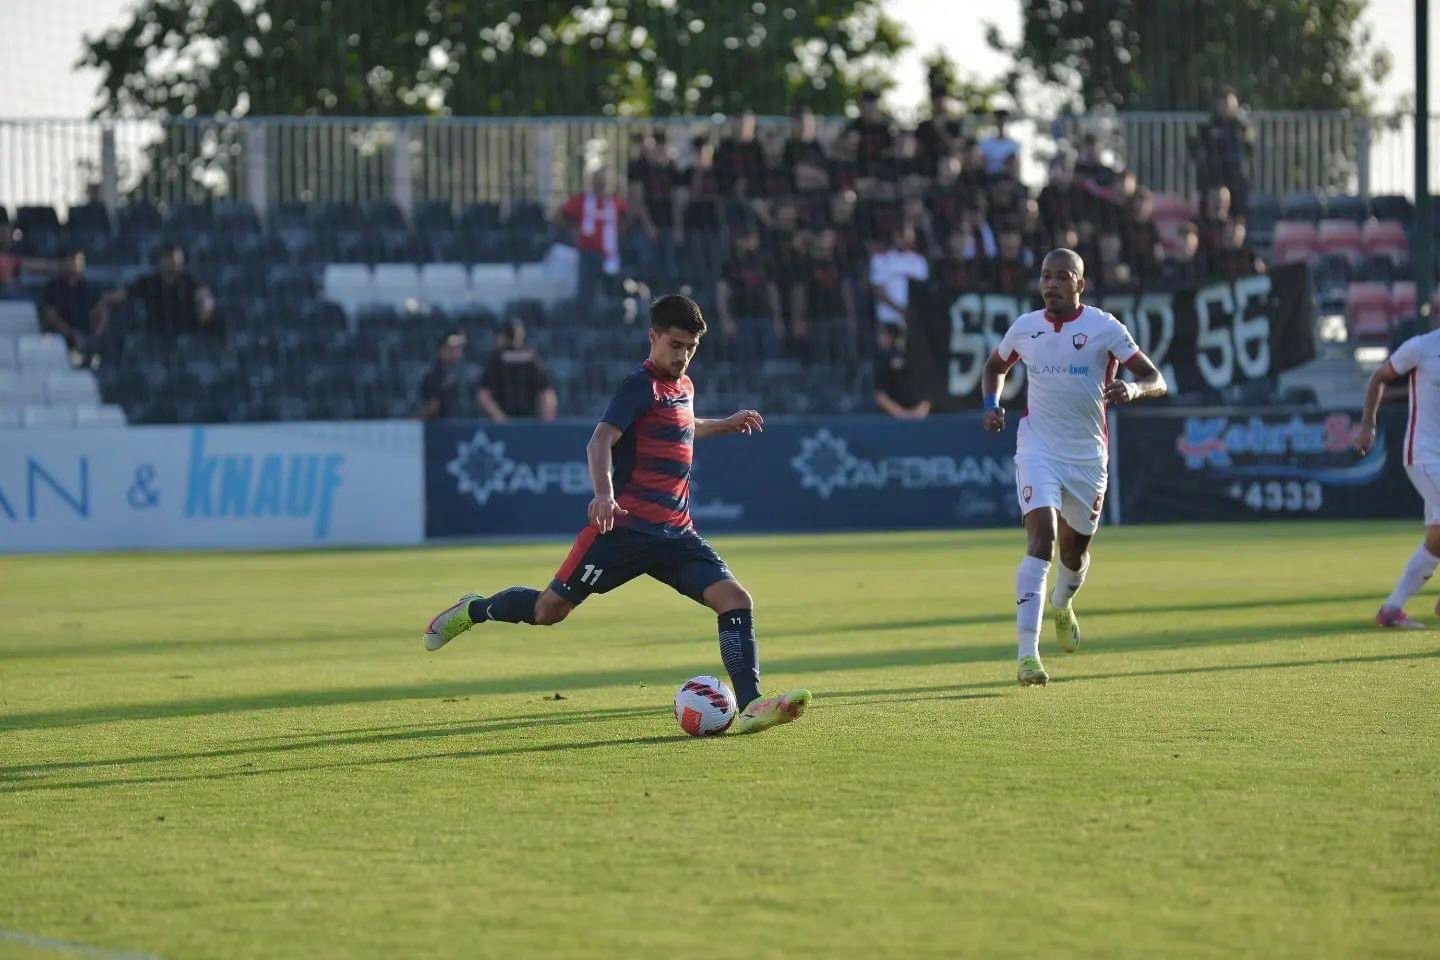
(1079, 340)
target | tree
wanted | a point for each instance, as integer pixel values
(490, 57)
(1146, 55)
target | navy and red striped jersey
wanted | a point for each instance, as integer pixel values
(653, 455)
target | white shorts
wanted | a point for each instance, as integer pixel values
(1077, 490)
(1426, 478)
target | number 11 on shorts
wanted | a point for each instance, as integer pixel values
(591, 576)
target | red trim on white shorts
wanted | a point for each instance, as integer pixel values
(1414, 415)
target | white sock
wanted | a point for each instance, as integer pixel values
(1030, 604)
(1068, 582)
(1419, 568)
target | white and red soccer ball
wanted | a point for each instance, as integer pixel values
(704, 706)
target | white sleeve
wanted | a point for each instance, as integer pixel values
(1406, 356)
(1122, 344)
(1006, 348)
(877, 270)
(922, 272)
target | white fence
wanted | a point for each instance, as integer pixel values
(303, 159)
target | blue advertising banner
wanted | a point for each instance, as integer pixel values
(1196, 465)
(818, 473)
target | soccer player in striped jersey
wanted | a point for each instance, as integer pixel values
(640, 456)
(1417, 359)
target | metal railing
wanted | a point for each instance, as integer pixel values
(267, 161)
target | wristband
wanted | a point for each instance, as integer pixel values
(992, 402)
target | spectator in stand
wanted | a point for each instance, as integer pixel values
(805, 158)
(1234, 258)
(442, 391)
(747, 298)
(973, 177)
(12, 265)
(1092, 164)
(891, 271)
(740, 161)
(597, 217)
(1011, 273)
(1007, 193)
(1222, 150)
(870, 138)
(937, 138)
(1215, 213)
(514, 384)
(1087, 241)
(656, 195)
(1184, 268)
(1057, 198)
(74, 308)
(896, 392)
(700, 219)
(1000, 147)
(960, 268)
(175, 301)
(1112, 273)
(825, 308)
(1140, 238)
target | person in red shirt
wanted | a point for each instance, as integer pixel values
(598, 217)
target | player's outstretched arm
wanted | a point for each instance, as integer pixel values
(603, 509)
(741, 421)
(1149, 382)
(1374, 393)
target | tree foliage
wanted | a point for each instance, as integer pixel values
(490, 57)
(1148, 55)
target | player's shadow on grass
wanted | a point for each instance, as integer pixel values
(842, 699)
(232, 774)
(360, 736)
(964, 649)
(349, 636)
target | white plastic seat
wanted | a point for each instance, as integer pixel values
(397, 284)
(492, 284)
(18, 316)
(445, 284)
(8, 358)
(38, 415)
(71, 386)
(348, 284)
(101, 415)
(41, 352)
(17, 389)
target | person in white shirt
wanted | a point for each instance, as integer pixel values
(1419, 359)
(891, 271)
(1072, 354)
(999, 148)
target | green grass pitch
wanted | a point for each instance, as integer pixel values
(252, 756)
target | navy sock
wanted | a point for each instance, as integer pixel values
(515, 605)
(741, 655)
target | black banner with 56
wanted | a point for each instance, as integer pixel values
(1213, 337)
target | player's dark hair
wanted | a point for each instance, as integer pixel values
(676, 311)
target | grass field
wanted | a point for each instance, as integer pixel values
(251, 755)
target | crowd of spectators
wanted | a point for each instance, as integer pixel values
(814, 239)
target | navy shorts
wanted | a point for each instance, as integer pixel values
(598, 563)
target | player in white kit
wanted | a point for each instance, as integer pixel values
(1072, 354)
(1419, 358)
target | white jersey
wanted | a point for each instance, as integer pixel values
(1068, 363)
(1420, 358)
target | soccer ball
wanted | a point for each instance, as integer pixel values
(704, 707)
